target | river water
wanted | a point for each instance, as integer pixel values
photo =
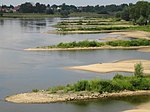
(22, 71)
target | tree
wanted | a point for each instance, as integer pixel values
(26, 8)
(138, 70)
(141, 21)
(125, 14)
(138, 12)
(64, 13)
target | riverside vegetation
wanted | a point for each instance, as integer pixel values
(117, 84)
(86, 43)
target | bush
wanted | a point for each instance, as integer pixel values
(82, 85)
(95, 86)
(118, 76)
(138, 70)
(106, 86)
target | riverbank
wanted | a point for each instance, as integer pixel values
(83, 32)
(44, 97)
(133, 34)
(119, 66)
(144, 49)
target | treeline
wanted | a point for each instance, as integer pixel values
(139, 13)
(67, 9)
(40, 8)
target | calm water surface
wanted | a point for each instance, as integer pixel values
(22, 71)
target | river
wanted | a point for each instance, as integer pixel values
(22, 71)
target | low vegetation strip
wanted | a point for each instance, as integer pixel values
(83, 90)
(86, 43)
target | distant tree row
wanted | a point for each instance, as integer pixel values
(66, 9)
(139, 13)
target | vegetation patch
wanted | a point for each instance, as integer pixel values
(118, 83)
(86, 43)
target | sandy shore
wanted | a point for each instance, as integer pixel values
(44, 97)
(144, 49)
(141, 108)
(82, 32)
(132, 34)
(89, 48)
(119, 66)
(122, 33)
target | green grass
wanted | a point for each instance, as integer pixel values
(141, 28)
(86, 43)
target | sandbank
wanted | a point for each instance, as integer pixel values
(119, 66)
(133, 34)
(144, 49)
(88, 48)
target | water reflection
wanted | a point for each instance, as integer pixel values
(1, 22)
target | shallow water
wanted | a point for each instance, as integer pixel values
(22, 71)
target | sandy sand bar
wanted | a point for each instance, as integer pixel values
(87, 48)
(119, 66)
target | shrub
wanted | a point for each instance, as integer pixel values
(138, 70)
(95, 86)
(118, 76)
(106, 86)
(82, 85)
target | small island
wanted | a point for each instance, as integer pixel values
(119, 86)
(136, 44)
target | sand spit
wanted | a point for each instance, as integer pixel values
(44, 97)
(119, 66)
(141, 108)
(88, 48)
(82, 32)
(133, 34)
(144, 49)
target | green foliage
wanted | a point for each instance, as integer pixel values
(55, 89)
(141, 28)
(80, 44)
(82, 85)
(86, 43)
(128, 43)
(118, 83)
(141, 21)
(138, 12)
(138, 70)
(118, 76)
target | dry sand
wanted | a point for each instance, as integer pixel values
(88, 48)
(119, 66)
(133, 34)
(44, 97)
(141, 108)
(144, 49)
